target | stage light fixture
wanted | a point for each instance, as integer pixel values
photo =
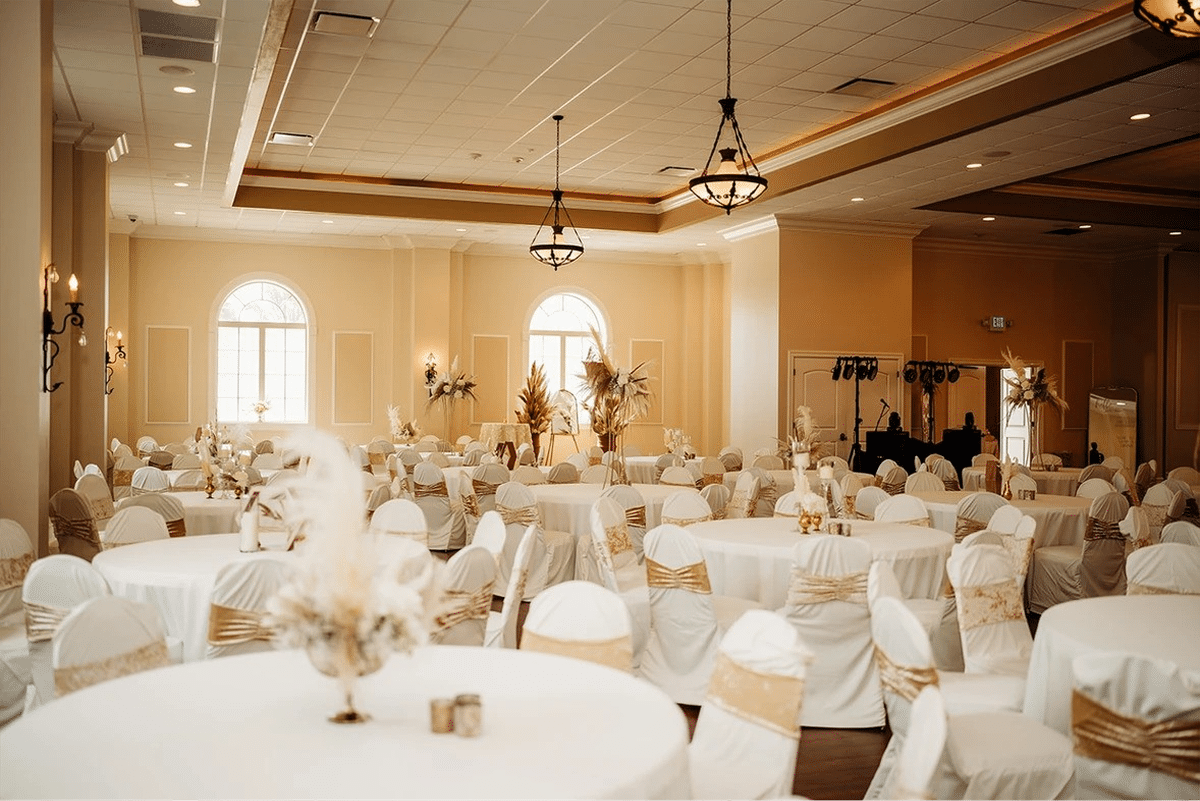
(952, 375)
(910, 374)
(848, 371)
(837, 369)
(939, 373)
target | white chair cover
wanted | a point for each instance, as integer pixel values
(1169, 568)
(1182, 532)
(619, 569)
(1021, 482)
(1005, 519)
(742, 502)
(401, 517)
(378, 497)
(892, 480)
(490, 533)
(1095, 471)
(105, 638)
(712, 471)
(596, 474)
(677, 476)
(167, 505)
(1188, 475)
(1095, 567)
(686, 618)
(531, 551)
(581, 620)
(748, 729)
(1156, 501)
(982, 459)
(1094, 488)
(851, 484)
(188, 461)
(731, 457)
(903, 508)
(444, 522)
(991, 618)
(1136, 528)
(133, 524)
(95, 489)
(74, 525)
(924, 481)
(867, 500)
(944, 471)
(518, 511)
(882, 583)
(1135, 722)
(563, 473)
(149, 479)
(788, 505)
(466, 598)
(238, 605)
(579, 461)
(529, 475)
(16, 555)
(269, 461)
(769, 461)
(827, 604)
(717, 496)
(631, 450)
(974, 512)
(685, 507)
(921, 753)
(634, 506)
(768, 493)
(146, 445)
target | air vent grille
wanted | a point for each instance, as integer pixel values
(677, 172)
(863, 87)
(282, 138)
(178, 36)
(344, 24)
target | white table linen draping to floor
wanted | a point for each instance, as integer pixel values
(752, 558)
(1063, 481)
(255, 726)
(215, 515)
(1060, 519)
(174, 475)
(568, 507)
(1155, 626)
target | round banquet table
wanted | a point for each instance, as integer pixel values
(752, 558)
(204, 515)
(1060, 519)
(255, 726)
(1063, 481)
(1157, 626)
(568, 507)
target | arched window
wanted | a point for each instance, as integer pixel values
(559, 339)
(262, 355)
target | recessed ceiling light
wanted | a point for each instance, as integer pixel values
(186, 3)
(185, 90)
(1176, 233)
(180, 213)
(989, 219)
(701, 244)
(182, 183)
(461, 230)
(1084, 227)
(1140, 116)
(176, 69)
(974, 165)
(327, 222)
(857, 199)
(183, 145)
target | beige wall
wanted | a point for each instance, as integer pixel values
(1181, 418)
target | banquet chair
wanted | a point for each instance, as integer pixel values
(768, 461)
(400, 517)
(836, 462)
(563, 473)
(595, 455)
(1021, 482)
(149, 479)
(835, 499)
(1094, 567)
(929, 612)
(884, 467)
(185, 461)
(528, 475)
(867, 501)
(618, 567)
(525, 455)
(444, 522)
(377, 454)
(1144, 478)
(187, 480)
(1136, 528)
(768, 493)
(579, 460)
(95, 489)
(378, 497)
(717, 496)
(731, 457)
(74, 525)
(663, 462)
(426, 444)
(974, 511)
(893, 480)
(742, 501)
(917, 761)
(685, 507)
(264, 446)
(237, 607)
(131, 525)
(518, 510)
(268, 461)
(748, 729)
(439, 458)
(687, 619)
(851, 484)
(631, 450)
(827, 605)
(712, 471)
(122, 478)
(902, 508)
(924, 481)
(53, 587)
(1156, 501)
(1169, 568)
(81, 470)
(1095, 471)
(1182, 532)
(580, 620)
(16, 555)
(282, 476)
(106, 638)
(1094, 488)
(1134, 721)
(788, 505)
(991, 618)
(634, 506)
(1005, 519)
(466, 598)
(1183, 507)
(410, 458)
(1188, 475)
(161, 459)
(677, 476)
(474, 457)
(1046, 461)
(596, 474)
(531, 551)
(982, 459)
(490, 533)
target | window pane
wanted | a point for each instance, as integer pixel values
(277, 371)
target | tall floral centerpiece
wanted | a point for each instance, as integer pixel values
(536, 409)
(1031, 390)
(615, 396)
(804, 439)
(451, 387)
(346, 604)
(677, 442)
(403, 431)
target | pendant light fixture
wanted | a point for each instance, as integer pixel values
(556, 249)
(729, 186)
(1179, 18)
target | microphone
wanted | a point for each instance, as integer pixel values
(884, 402)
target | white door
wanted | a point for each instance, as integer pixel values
(968, 394)
(1014, 425)
(832, 402)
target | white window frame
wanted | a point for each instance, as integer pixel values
(563, 334)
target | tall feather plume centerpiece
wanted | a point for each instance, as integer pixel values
(804, 436)
(1031, 387)
(452, 385)
(536, 409)
(615, 395)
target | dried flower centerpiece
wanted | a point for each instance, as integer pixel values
(401, 430)
(677, 442)
(260, 408)
(616, 396)
(804, 443)
(451, 387)
(347, 605)
(536, 409)
(1031, 390)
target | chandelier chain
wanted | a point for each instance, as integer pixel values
(557, 146)
(728, 47)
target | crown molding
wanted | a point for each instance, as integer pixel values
(975, 248)
(231, 236)
(866, 228)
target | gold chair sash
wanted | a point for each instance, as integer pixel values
(905, 681)
(636, 516)
(1101, 530)
(1020, 551)
(693, 578)
(524, 515)
(81, 529)
(462, 606)
(989, 603)
(1133, 588)
(848, 504)
(108, 545)
(376, 457)
(951, 484)
(594, 460)
(739, 502)
(807, 588)
(1166, 746)
(69, 679)
(102, 508)
(230, 626)
(766, 493)
(1191, 513)
(483, 487)
(767, 699)
(13, 570)
(892, 487)
(122, 478)
(920, 521)
(686, 521)
(711, 478)
(965, 525)
(437, 490)
(470, 504)
(41, 621)
(177, 528)
(617, 537)
(615, 653)
(522, 581)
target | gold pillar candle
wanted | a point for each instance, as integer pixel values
(441, 715)
(468, 715)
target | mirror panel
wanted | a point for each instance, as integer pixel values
(1112, 423)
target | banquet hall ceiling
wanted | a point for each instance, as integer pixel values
(437, 124)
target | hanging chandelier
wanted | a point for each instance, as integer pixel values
(1174, 17)
(729, 186)
(555, 249)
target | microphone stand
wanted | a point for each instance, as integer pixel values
(882, 412)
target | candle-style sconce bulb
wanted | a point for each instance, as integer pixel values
(111, 358)
(74, 317)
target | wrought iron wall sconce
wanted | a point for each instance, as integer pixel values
(74, 317)
(430, 370)
(111, 358)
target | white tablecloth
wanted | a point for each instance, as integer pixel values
(204, 515)
(492, 435)
(568, 507)
(1049, 482)
(1060, 519)
(752, 558)
(256, 726)
(1158, 626)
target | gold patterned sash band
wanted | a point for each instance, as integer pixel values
(149, 491)
(618, 540)
(686, 521)
(108, 545)
(523, 515)
(965, 525)
(951, 484)
(69, 679)
(522, 580)
(1100, 530)
(905, 681)
(82, 529)
(102, 508)
(230, 626)
(1133, 588)
(177, 528)
(615, 653)
(483, 487)
(122, 478)
(711, 478)
(919, 521)
(766, 494)
(739, 501)
(376, 457)
(13, 570)
(807, 588)
(470, 504)
(1019, 550)
(41, 621)
(989, 603)
(437, 490)
(768, 699)
(463, 606)
(693, 578)
(636, 516)
(892, 487)
(1168, 746)
(594, 460)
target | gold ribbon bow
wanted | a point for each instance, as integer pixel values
(905, 681)
(13, 570)
(230, 626)
(636, 516)
(1167, 746)
(69, 679)
(768, 699)
(965, 525)
(483, 488)
(615, 653)
(463, 606)
(82, 529)
(989, 603)
(693, 578)
(470, 504)
(807, 588)
(1100, 530)
(524, 515)
(41, 621)
(437, 490)
(617, 537)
